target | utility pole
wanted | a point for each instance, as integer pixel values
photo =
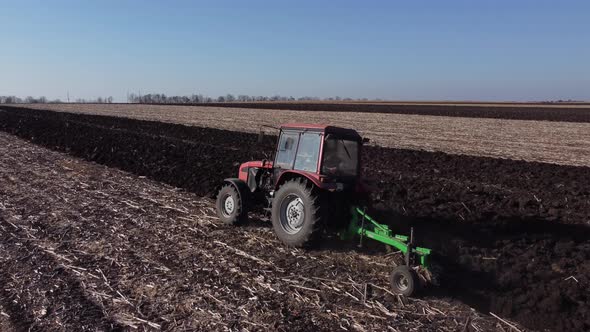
(68, 97)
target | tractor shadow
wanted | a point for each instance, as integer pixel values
(474, 280)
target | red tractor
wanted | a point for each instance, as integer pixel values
(313, 166)
(314, 182)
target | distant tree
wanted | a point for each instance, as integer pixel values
(307, 98)
(230, 98)
(220, 99)
(196, 98)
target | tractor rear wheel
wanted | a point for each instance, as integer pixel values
(230, 207)
(296, 217)
(404, 280)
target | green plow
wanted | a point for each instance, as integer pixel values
(404, 279)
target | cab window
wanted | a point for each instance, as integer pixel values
(308, 152)
(340, 157)
(286, 150)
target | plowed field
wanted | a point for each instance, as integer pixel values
(566, 143)
(512, 237)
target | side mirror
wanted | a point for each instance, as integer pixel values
(365, 140)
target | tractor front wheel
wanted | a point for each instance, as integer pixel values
(229, 205)
(296, 213)
(404, 280)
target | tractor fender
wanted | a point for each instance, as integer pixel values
(242, 189)
(291, 174)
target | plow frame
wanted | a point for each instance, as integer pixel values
(382, 233)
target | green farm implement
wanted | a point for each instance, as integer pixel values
(403, 279)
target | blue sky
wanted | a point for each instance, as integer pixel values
(418, 50)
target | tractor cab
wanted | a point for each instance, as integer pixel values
(327, 156)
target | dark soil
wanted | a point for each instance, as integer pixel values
(565, 113)
(512, 237)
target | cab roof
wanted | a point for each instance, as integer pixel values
(328, 129)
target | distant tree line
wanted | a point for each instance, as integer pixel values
(158, 98)
(43, 100)
(27, 100)
(561, 101)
